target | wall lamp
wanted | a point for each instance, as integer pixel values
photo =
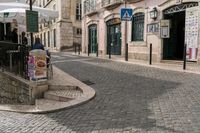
(154, 13)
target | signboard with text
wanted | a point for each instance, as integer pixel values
(31, 21)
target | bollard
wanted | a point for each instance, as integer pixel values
(75, 48)
(88, 49)
(184, 57)
(150, 54)
(126, 52)
(97, 53)
(79, 49)
(109, 51)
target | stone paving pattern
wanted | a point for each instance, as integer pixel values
(129, 99)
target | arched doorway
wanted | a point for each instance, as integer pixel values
(174, 45)
(114, 36)
(92, 38)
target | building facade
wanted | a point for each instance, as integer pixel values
(62, 33)
(166, 24)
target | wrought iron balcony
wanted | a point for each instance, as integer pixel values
(91, 7)
(110, 4)
(134, 1)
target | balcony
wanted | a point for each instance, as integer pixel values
(133, 1)
(91, 8)
(111, 4)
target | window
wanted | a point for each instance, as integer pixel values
(78, 31)
(78, 11)
(138, 27)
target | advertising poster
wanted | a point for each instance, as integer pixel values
(37, 69)
(191, 33)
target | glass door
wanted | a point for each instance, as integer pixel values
(93, 39)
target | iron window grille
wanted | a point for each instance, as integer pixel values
(138, 27)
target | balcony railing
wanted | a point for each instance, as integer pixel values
(105, 3)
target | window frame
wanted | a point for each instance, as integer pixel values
(137, 19)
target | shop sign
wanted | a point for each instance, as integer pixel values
(165, 28)
(154, 27)
(37, 68)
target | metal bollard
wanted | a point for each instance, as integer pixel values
(88, 49)
(75, 48)
(109, 51)
(79, 49)
(126, 52)
(150, 54)
(184, 57)
(97, 53)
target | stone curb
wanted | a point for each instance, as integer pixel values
(88, 94)
(156, 65)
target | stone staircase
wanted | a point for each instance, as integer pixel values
(63, 93)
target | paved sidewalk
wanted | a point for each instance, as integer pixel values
(191, 67)
(65, 92)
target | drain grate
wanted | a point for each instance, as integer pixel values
(88, 82)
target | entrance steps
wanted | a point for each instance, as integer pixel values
(63, 93)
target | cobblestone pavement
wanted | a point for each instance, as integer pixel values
(129, 99)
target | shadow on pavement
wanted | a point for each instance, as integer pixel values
(120, 103)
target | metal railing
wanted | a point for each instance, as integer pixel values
(110, 2)
(14, 58)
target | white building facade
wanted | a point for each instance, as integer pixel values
(168, 31)
(62, 33)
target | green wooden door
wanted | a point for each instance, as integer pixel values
(93, 39)
(114, 39)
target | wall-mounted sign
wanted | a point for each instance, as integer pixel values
(165, 28)
(164, 32)
(154, 27)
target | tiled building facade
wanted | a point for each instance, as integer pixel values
(62, 33)
(103, 30)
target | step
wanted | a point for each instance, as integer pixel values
(63, 95)
(61, 87)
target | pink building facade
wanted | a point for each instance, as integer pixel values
(168, 30)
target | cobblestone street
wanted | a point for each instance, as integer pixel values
(129, 99)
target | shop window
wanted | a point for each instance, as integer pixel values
(138, 27)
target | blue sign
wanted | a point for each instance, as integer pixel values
(126, 14)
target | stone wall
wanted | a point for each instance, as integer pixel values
(14, 90)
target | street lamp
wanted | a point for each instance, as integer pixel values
(154, 13)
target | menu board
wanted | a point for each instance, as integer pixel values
(37, 69)
(191, 33)
(31, 21)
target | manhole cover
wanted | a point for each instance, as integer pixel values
(88, 82)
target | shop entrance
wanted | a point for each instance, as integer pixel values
(173, 46)
(114, 37)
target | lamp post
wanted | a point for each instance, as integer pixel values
(126, 44)
(31, 32)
